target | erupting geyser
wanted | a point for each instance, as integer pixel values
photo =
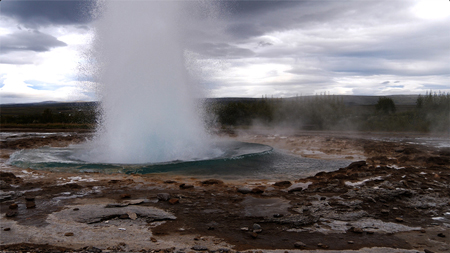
(149, 108)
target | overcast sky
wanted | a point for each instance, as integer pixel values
(250, 49)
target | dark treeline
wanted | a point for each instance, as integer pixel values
(82, 115)
(431, 112)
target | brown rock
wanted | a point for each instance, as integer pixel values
(258, 190)
(174, 201)
(11, 213)
(350, 242)
(13, 206)
(29, 198)
(124, 216)
(153, 239)
(300, 245)
(186, 186)
(254, 235)
(357, 230)
(212, 181)
(283, 184)
(30, 204)
(68, 234)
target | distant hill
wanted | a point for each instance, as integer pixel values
(349, 100)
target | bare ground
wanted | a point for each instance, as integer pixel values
(395, 197)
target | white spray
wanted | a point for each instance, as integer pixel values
(149, 108)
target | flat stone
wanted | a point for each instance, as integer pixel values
(199, 248)
(68, 234)
(134, 201)
(153, 239)
(13, 206)
(95, 213)
(398, 219)
(384, 211)
(115, 205)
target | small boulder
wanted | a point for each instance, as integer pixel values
(283, 184)
(11, 213)
(258, 190)
(244, 190)
(30, 204)
(13, 206)
(357, 230)
(163, 196)
(174, 201)
(186, 186)
(212, 182)
(29, 198)
(300, 245)
(68, 234)
(125, 196)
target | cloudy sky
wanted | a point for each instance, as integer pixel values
(249, 48)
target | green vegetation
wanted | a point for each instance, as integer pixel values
(325, 112)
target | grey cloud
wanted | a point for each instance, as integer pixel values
(385, 82)
(38, 13)
(222, 50)
(29, 41)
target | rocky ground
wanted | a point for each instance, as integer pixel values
(394, 197)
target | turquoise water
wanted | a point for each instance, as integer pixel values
(236, 160)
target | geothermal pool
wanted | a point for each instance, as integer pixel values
(236, 160)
